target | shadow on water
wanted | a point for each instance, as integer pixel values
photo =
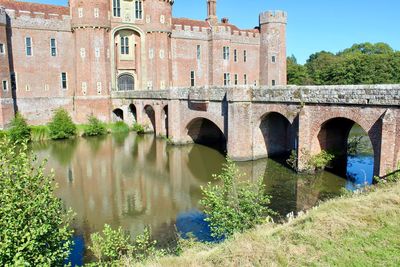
(137, 181)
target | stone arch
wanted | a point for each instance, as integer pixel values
(333, 135)
(205, 132)
(133, 112)
(278, 134)
(118, 115)
(274, 135)
(149, 119)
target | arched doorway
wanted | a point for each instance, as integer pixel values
(150, 118)
(118, 115)
(126, 82)
(351, 145)
(205, 132)
(278, 135)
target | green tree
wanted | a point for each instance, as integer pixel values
(297, 74)
(234, 206)
(61, 126)
(19, 131)
(34, 227)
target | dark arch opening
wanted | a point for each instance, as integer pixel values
(278, 134)
(149, 111)
(352, 148)
(165, 120)
(132, 109)
(205, 132)
(126, 82)
(118, 114)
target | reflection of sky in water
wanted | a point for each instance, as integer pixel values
(192, 224)
(360, 171)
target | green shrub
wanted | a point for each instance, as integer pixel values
(34, 228)
(138, 128)
(19, 131)
(119, 127)
(94, 127)
(40, 133)
(112, 246)
(61, 126)
(310, 163)
(234, 206)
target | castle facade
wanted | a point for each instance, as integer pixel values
(74, 57)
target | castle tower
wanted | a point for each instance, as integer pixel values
(273, 48)
(158, 17)
(212, 12)
(91, 25)
(6, 101)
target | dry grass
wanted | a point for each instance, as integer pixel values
(361, 230)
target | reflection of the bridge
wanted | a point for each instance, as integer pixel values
(128, 180)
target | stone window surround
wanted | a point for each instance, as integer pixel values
(53, 47)
(192, 78)
(2, 49)
(64, 82)
(29, 52)
(4, 85)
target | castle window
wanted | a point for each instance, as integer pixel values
(226, 52)
(227, 79)
(28, 46)
(126, 82)
(97, 52)
(5, 85)
(116, 8)
(124, 45)
(138, 9)
(80, 12)
(192, 79)
(235, 55)
(198, 52)
(162, 54)
(245, 79)
(53, 47)
(64, 80)
(83, 52)
(2, 49)
(273, 82)
(151, 53)
(245, 55)
(96, 13)
(236, 79)
(84, 88)
(162, 19)
(273, 59)
(99, 87)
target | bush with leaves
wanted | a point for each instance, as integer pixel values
(34, 227)
(310, 163)
(119, 127)
(138, 128)
(94, 127)
(113, 246)
(19, 131)
(234, 206)
(62, 126)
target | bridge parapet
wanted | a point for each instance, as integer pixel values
(374, 95)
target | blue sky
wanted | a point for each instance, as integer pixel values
(314, 25)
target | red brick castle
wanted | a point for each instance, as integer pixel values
(75, 56)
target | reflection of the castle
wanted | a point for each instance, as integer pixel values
(132, 181)
(129, 181)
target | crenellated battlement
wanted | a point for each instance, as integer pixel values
(38, 20)
(3, 16)
(273, 17)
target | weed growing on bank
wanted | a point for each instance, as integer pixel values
(233, 206)
(19, 131)
(94, 127)
(62, 126)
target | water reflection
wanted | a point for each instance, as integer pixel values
(138, 181)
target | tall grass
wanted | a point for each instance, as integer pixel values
(40, 133)
(119, 127)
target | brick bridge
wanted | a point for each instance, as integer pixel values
(256, 123)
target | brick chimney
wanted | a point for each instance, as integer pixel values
(212, 12)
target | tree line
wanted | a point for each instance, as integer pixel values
(364, 63)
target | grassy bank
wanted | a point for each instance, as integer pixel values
(358, 230)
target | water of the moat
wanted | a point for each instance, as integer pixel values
(137, 181)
